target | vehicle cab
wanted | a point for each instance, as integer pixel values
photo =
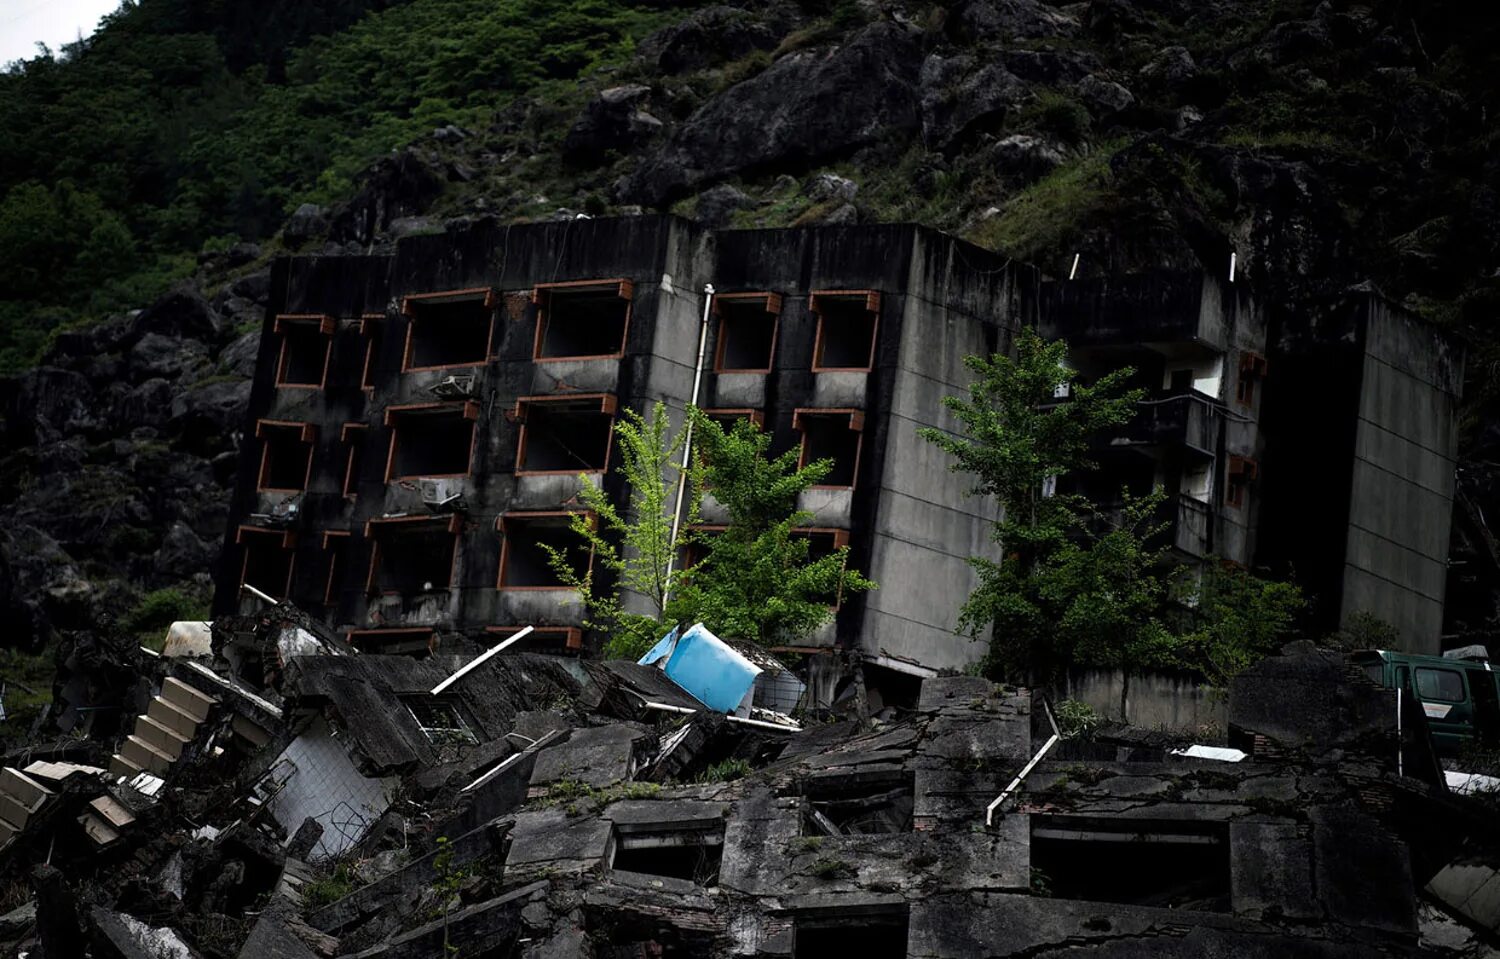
(1457, 690)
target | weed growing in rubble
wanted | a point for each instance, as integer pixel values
(833, 869)
(578, 796)
(450, 879)
(726, 771)
(328, 889)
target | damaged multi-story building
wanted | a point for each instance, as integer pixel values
(421, 421)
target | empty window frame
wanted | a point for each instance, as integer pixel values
(525, 562)
(847, 323)
(726, 418)
(440, 720)
(285, 455)
(371, 327)
(1252, 369)
(747, 332)
(542, 639)
(832, 434)
(1174, 864)
(569, 434)
(449, 329)
(582, 320)
(336, 547)
(306, 344)
(402, 641)
(352, 437)
(877, 932)
(691, 852)
(411, 555)
(844, 805)
(430, 439)
(1242, 472)
(268, 557)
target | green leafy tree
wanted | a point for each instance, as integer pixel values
(633, 546)
(754, 580)
(757, 579)
(1077, 584)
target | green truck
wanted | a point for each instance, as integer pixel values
(1457, 692)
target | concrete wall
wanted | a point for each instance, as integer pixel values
(1401, 487)
(1151, 700)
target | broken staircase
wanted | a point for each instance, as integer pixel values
(21, 797)
(163, 730)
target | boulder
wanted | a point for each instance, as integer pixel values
(973, 21)
(155, 355)
(404, 184)
(46, 402)
(239, 357)
(805, 107)
(181, 313)
(211, 413)
(308, 222)
(255, 287)
(1104, 97)
(614, 121)
(956, 102)
(148, 404)
(706, 38)
(829, 186)
(717, 204)
(1171, 69)
(1022, 158)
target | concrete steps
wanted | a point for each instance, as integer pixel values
(162, 732)
(21, 797)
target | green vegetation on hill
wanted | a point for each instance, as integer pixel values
(168, 133)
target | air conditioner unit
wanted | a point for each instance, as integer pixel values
(442, 495)
(455, 386)
(285, 512)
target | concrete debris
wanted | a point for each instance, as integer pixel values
(644, 810)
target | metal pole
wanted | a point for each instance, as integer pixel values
(687, 443)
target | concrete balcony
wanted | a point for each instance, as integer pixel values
(1157, 307)
(1186, 422)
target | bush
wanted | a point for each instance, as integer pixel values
(161, 608)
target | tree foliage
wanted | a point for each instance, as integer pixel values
(1077, 583)
(752, 580)
(180, 122)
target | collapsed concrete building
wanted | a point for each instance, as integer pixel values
(345, 809)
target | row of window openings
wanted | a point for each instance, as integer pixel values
(567, 436)
(410, 561)
(590, 322)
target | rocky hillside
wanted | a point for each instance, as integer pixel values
(1322, 143)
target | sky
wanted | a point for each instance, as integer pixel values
(54, 22)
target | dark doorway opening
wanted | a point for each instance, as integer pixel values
(565, 436)
(448, 333)
(524, 560)
(413, 558)
(880, 935)
(832, 436)
(1168, 864)
(690, 854)
(583, 323)
(846, 331)
(431, 443)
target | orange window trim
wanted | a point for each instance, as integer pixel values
(500, 524)
(408, 309)
(572, 635)
(608, 404)
(773, 307)
(872, 306)
(469, 410)
(856, 423)
(540, 295)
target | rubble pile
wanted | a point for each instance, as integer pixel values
(281, 795)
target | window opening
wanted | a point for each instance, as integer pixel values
(747, 332)
(448, 329)
(585, 320)
(844, 806)
(823, 543)
(306, 342)
(692, 854)
(1440, 685)
(431, 440)
(525, 561)
(268, 559)
(286, 455)
(412, 556)
(851, 932)
(847, 323)
(1177, 864)
(440, 721)
(1242, 472)
(835, 435)
(571, 435)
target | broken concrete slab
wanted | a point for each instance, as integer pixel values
(596, 757)
(483, 929)
(552, 840)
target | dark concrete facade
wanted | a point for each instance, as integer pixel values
(365, 417)
(1363, 424)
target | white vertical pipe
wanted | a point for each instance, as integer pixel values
(687, 440)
